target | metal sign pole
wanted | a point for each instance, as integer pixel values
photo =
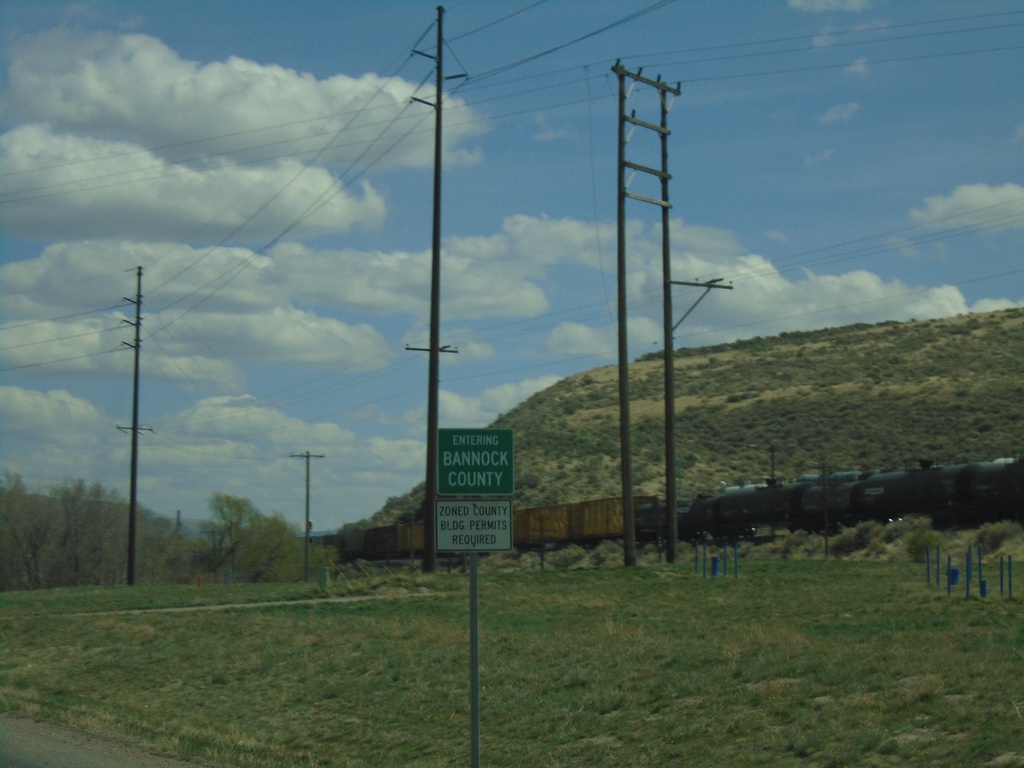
(474, 665)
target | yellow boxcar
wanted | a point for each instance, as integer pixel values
(410, 537)
(579, 521)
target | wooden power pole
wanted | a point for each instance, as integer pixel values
(628, 513)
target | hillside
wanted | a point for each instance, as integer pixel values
(860, 396)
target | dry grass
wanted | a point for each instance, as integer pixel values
(796, 663)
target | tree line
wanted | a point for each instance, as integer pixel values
(76, 534)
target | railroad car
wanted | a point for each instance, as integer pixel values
(958, 495)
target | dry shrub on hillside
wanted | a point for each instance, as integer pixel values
(995, 537)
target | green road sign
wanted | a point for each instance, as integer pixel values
(475, 462)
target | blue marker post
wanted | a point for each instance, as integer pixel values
(968, 595)
(982, 584)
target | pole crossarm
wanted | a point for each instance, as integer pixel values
(446, 348)
(651, 200)
(707, 286)
(647, 169)
(659, 84)
(644, 124)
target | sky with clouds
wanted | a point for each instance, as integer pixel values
(269, 165)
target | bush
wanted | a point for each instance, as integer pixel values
(919, 540)
(991, 536)
(866, 535)
(607, 553)
(566, 558)
(789, 545)
(900, 529)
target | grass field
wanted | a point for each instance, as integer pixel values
(807, 663)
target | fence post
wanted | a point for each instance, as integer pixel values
(968, 595)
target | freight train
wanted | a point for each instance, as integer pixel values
(581, 522)
(960, 495)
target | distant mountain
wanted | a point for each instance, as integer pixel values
(857, 397)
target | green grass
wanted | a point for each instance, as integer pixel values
(805, 663)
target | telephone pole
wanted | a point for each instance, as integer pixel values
(307, 456)
(134, 428)
(430, 495)
(628, 513)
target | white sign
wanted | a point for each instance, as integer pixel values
(483, 525)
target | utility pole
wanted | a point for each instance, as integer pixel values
(133, 499)
(625, 448)
(430, 495)
(307, 456)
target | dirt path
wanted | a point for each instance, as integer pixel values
(25, 743)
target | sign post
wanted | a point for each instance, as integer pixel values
(476, 467)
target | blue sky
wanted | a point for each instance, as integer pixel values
(837, 161)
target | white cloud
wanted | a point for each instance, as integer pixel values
(288, 336)
(840, 113)
(244, 418)
(995, 305)
(546, 132)
(980, 205)
(121, 138)
(240, 445)
(574, 339)
(25, 413)
(819, 158)
(205, 314)
(79, 345)
(859, 67)
(63, 186)
(136, 87)
(817, 6)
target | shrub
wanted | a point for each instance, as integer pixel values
(866, 535)
(919, 540)
(607, 553)
(567, 558)
(992, 536)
